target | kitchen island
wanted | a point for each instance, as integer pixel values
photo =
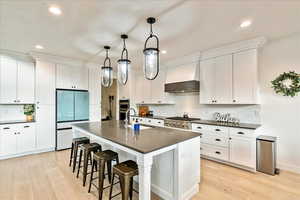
(168, 159)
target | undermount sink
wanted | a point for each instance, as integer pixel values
(141, 127)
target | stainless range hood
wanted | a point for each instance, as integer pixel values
(183, 87)
(183, 78)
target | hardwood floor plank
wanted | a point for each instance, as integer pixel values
(47, 176)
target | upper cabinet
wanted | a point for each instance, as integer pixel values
(245, 77)
(229, 79)
(71, 77)
(17, 81)
(45, 83)
(152, 91)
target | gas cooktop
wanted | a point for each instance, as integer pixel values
(183, 118)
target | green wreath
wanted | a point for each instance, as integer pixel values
(287, 84)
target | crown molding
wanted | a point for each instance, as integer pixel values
(17, 55)
(57, 59)
(234, 48)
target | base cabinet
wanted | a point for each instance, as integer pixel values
(17, 139)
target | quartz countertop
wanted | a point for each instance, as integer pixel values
(143, 141)
(15, 122)
(240, 125)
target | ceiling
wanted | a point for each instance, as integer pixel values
(183, 26)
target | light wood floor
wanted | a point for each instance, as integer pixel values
(48, 177)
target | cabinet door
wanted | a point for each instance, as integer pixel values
(80, 78)
(158, 94)
(207, 81)
(25, 89)
(242, 151)
(223, 79)
(8, 80)
(245, 77)
(95, 86)
(25, 138)
(45, 83)
(139, 89)
(45, 126)
(64, 79)
(8, 140)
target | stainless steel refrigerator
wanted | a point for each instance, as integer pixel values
(72, 106)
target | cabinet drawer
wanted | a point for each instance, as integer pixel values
(211, 130)
(241, 132)
(215, 140)
(215, 152)
(157, 122)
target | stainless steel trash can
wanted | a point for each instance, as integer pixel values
(266, 147)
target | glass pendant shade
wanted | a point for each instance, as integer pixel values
(151, 63)
(151, 55)
(106, 71)
(123, 66)
(107, 76)
(123, 63)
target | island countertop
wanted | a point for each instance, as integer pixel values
(144, 141)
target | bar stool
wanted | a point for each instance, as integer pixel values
(87, 150)
(74, 150)
(100, 158)
(126, 171)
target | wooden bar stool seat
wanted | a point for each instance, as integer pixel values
(86, 150)
(100, 159)
(126, 171)
(74, 149)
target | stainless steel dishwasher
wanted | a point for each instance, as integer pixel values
(266, 154)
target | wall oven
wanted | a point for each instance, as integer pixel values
(124, 105)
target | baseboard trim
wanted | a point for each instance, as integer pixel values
(191, 192)
(27, 153)
(161, 193)
(291, 168)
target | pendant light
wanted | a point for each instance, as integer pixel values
(151, 54)
(107, 70)
(123, 63)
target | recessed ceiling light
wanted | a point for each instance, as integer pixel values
(245, 24)
(39, 46)
(164, 51)
(55, 10)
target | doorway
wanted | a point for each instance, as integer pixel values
(108, 99)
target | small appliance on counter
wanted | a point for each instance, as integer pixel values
(143, 110)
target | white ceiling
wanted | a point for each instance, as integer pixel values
(184, 26)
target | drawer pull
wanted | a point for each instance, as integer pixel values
(218, 152)
(26, 126)
(159, 122)
(6, 128)
(217, 129)
(240, 133)
(199, 127)
(218, 140)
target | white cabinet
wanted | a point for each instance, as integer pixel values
(216, 80)
(26, 138)
(148, 121)
(229, 79)
(124, 90)
(17, 138)
(152, 92)
(45, 126)
(17, 81)
(45, 83)
(95, 93)
(95, 113)
(245, 78)
(71, 77)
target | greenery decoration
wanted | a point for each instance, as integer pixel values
(287, 84)
(28, 109)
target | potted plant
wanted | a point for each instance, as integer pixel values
(28, 111)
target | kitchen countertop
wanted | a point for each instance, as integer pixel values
(15, 122)
(240, 125)
(144, 141)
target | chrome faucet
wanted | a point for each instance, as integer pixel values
(127, 112)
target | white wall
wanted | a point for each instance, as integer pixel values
(279, 116)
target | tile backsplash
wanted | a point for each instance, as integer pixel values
(12, 112)
(189, 102)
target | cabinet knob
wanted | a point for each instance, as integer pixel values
(240, 133)
(218, 152)
(217, 129)
(199, 127)
(234, 101)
